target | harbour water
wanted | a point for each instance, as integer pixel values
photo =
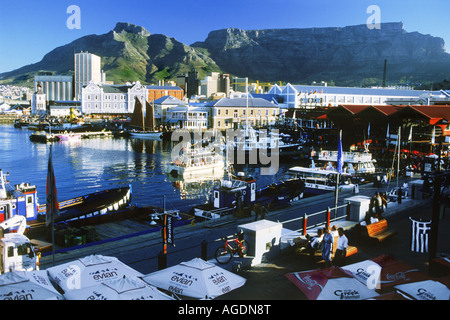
(96, 164)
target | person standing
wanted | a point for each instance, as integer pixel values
(341, 249)
(327, 246)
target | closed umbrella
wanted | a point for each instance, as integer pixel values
(330, 284)
(384, 271)
(126, 288)
(89, 271)
(27, 285)
(196, 279)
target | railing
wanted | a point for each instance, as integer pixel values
(326, 222)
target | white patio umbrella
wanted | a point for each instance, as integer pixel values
(196, 279)
(27, 285)
(126, 288)
(330, 284)
(89, 271)
(425, 290)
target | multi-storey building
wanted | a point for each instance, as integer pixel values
(38, 102)
(111, 99)
(156, 92)
(232, 113)
(87, 68)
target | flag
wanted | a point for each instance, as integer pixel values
(433, 136)
(52, 205)
(387, 136)
(410, 134)
(368, 131)
(340, 158)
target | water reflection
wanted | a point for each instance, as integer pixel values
(96, 164)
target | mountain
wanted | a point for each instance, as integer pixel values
(129, 53)
(351, 55)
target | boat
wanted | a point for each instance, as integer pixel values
(91, 206)
(239, 192)
(360, 165)
(249, 140)
(140, 123)
(196, 162)
(319, 181)
(22, 122)
(69, 137)
(18, 200)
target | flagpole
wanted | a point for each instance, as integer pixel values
(339, 165)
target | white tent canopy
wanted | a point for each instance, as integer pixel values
(126, 288)
(27, 285)
(89, 271)
(196, 279)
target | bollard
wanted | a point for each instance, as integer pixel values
(328, 217)
(204, 254)
(347, 212)
(162, 261)
(399, 195)
(305, 223)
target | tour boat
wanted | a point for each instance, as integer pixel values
(319, 181)
(197, 162)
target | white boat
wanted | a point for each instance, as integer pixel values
(359, 164)
(197, 162)
(319, 181)
(146, 134)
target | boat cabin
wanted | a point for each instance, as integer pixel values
(22, 200)
(236, 192)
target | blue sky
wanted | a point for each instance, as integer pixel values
(29, 29)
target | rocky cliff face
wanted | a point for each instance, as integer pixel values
(348, 55)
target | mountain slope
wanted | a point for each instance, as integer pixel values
(129, 53)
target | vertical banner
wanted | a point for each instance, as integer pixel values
(419, 235)
(167, 230)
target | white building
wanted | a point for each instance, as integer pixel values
(320, 95)
(87, 68)
(56, 88)
(188, 117)
(38, 102)
(161, 106)
(111, 99)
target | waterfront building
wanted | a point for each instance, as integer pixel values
(156, 92)
(55, 87)
(111, 99)
(87, 69)
(162, 104)
(233, 112)
(38, 102)
(320, 95)
(188, 117)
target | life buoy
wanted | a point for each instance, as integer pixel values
(244, 192)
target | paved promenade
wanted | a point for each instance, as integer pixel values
(267, 281)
